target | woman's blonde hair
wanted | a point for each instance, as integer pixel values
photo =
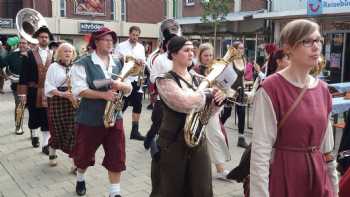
(60, 49)
(296, 31)
(203, 47)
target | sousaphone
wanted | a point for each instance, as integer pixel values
(28, 21)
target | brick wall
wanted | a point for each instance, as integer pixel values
(145, 11)
(9, 8)
(251, 5)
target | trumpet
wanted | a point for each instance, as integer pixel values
(141, 79)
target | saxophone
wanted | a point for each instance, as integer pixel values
(19, 114)
(219, 73)
(130, 68)
(75, 102)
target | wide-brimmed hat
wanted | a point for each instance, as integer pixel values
(99, 34)
(43, 29)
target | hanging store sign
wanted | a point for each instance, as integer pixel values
(314, 7)
(89, 27)
(336, 3)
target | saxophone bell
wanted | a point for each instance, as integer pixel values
(221, 75)
(130, 68)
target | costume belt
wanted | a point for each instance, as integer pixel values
(308, 150)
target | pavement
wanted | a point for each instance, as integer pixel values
(25, 172)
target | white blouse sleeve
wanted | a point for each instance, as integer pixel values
(50, 80)
(179, 99)
(79, 83)
(328, 140)
(128, 82)
(327, 146)
(264, 137)
(156, 69)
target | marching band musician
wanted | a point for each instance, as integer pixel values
(60, 102)
(238, 86)
(31, 87)
(14, 63)
(159, 65)
(132, 47)
(216, 134)
(184, 171)
(90, 130)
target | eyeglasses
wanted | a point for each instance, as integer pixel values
(311, 42)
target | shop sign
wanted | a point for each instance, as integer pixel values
(89, 27)
(336, 3)
(314, 7)
(6, 23)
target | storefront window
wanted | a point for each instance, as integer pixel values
(123, 10)
(63, 8)
(333, 50)
(113, 9)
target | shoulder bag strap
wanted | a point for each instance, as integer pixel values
(292, 108)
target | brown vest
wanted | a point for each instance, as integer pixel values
(42, 69)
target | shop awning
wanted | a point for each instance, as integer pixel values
(237, 16)
(280, 14)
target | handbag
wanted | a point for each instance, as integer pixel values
(241, 172)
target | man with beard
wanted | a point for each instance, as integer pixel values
(31, 87)
(132, 47)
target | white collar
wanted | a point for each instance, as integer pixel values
(43, 49)
(132, 45)
(97, 60)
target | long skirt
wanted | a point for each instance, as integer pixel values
(218, 149)
(61, 123)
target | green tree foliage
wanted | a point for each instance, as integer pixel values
(215, 12)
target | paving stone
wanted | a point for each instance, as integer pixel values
(24, 171)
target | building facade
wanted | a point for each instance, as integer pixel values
(334, 20)
(238, 24)
(72, 20)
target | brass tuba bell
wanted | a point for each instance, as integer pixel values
(28, 21)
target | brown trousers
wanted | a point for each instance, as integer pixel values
(184, 171)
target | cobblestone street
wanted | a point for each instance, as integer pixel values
(24, 171)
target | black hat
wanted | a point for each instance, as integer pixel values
(54, 44)
(175, 44)
(43, 29)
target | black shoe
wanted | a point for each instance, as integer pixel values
(135, 135)
(45, 150)
(150, 107)
(242, 143)
(80, 188)
(35, 142)
(147, 142)
(116, 196)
